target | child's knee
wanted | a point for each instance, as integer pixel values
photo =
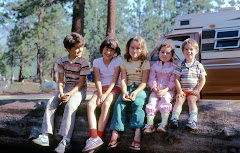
(192, 100)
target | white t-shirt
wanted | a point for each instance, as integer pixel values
(106, 73)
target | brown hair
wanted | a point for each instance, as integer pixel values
(143, 47)
(168, 44)
(191, 42)
(73, 38)
(110, 42)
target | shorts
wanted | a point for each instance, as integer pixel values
(116, 90)
(188, 93)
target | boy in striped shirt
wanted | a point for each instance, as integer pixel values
(189, 80)
(74, 68)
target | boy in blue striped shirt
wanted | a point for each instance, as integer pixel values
(189, 80)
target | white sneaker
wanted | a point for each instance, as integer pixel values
(92, 143)
(42, 141)
(62, 146)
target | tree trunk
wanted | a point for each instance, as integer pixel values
(78, 17)
(111, 21)
(20, 76)
(39, 48)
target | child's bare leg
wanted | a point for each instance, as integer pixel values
(177, 109)
(137, 136)
(92, 122)
(115, 135)
(105, 113)
(192, 104)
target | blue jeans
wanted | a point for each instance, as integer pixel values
(138, 114)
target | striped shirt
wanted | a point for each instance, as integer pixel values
(190, 75)
(73, 69)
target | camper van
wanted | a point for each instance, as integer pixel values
(218, 35)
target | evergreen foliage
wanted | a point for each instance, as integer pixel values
(152, 19)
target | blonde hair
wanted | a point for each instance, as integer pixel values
(143, 47)
(168, 44)
(191, 42)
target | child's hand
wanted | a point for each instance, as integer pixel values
(99, 104)
(180, 95)
(102, 98)
(161, 93)
(125, 97)
(195, 93)
(133, 96)
(66, 98)
(60, 96)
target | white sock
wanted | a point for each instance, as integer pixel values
(193, 115)
(67, 139)
(175, 115)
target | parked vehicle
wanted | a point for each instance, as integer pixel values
(218, 35)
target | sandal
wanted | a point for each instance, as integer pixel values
(113, 144)
(135, 145)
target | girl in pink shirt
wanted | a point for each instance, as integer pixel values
(161, 82)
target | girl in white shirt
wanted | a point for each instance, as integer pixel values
(106, 74)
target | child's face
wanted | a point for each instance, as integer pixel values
(165, 54)
(108, 53)
(134, 50)
(76, 51)
(189, 52)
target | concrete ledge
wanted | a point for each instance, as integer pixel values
(219, 129)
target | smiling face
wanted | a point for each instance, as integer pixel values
(75, 51)
(135, 50)
(189, 52)
(165, 54)
(108, 53)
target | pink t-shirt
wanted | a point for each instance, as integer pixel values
(106, 73)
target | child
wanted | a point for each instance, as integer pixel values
(106, 74)
(74, 68)
(189, 81)
(161, 81)
(134, 76)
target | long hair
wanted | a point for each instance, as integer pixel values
(143, 47)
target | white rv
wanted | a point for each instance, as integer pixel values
(218, 35)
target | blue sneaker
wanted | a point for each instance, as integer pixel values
(63, 146)
(42, 141)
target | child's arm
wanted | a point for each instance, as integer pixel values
(201, 84)
(111, 86)
(180, 93)
(125, 96)
(60, 86)
(141, 86)
(98, 84)
(79, 85)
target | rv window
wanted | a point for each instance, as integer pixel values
(227, 43)
(228, 34)
(184, 22)
(227, 39)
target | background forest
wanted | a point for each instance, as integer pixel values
(31, 32)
